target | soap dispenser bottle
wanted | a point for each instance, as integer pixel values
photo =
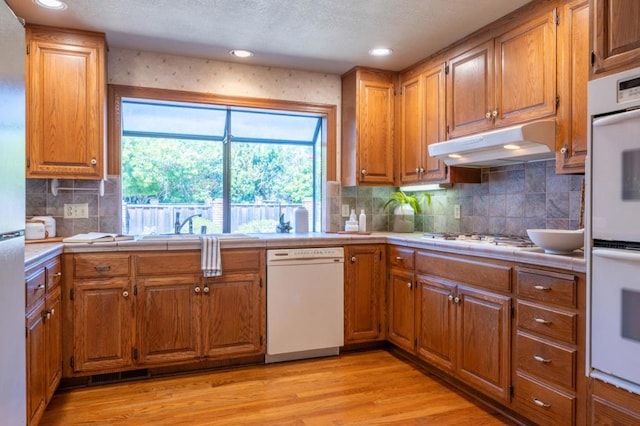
(362, 221)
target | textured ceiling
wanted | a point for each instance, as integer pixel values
(319, 35)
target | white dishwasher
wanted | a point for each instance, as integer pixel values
(305, 303)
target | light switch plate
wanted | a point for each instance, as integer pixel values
(456, 211)
(76, 211)
(345, 210)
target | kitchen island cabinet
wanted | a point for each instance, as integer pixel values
(65, 89)
(364, 293)
(368, 127)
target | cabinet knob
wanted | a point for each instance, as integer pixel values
(450, 297)
(197, 289)
(40, 286)
(409, 284)
(541, 359)
(206, 290)
(94, 161)
(363, 172)
(488, 115)
(456, 300)
(564, 150)
(494, 113)
(125, 294)
(57, 274)
(421, 169)
(542, 321)
(541, 403)
(48, 314)
(417, 170)
(353, 259)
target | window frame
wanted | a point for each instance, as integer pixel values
(116, 93)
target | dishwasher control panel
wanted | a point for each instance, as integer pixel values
(305, 253)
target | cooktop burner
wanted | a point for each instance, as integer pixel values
(495, 239)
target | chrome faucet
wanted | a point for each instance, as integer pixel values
(179, 225)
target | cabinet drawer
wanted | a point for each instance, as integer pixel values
(53, 274)
(35, 284)
(549, 322)
(100, 265)
(545, 360)
(546, 405)
(401, 257)
(550, 287)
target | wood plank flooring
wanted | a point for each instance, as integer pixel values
(371, 388)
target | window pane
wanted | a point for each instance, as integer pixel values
(266, 180)
(173, 119)
(279, 127)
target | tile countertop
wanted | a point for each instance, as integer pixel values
(534, 255)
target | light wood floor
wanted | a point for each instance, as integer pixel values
(358, 388)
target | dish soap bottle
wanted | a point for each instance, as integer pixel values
(362, 221)
(352, 223)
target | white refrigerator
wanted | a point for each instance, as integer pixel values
(12, 219)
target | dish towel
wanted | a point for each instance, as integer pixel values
(210, 256)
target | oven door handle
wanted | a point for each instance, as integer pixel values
(616, 118)
(628, 255)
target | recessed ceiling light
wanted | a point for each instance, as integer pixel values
(51, 4)
(241, 53)
(380, 51)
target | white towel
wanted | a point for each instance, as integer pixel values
(210, 256)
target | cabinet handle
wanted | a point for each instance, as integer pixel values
(197, 289)
(206, 290)
(542, 321)
(40, 286)
(57, 274)
(353, 259)
(363, 172)
(540, 403)
(125, 294)
(400, 259)
(541, 288)
(102, 268)
(541, 359)
(409, 285)
(94, 161)
(47, 315)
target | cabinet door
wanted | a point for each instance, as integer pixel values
(436, 324)
(616, 35)
(434, 111)
(102, 324)
(375, 131)
(573, 75)
(168, 319)
(364, 294)
(36, 364)
(470, 91)
(411, 146)
(233, 315)
(65, 87)
(484, 343)
(525, 64)
(401, 309)
(53, 336)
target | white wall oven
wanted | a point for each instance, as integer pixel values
(614, 105)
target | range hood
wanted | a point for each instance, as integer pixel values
(518, 144)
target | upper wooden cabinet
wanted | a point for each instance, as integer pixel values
(615, 36)
(573, 75)
(367, 127)
(65, 89)
(505, 80)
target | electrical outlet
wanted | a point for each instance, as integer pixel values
(456, 211)
(76, 211)
(345, 210)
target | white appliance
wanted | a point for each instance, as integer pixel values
(13, 409)
(305, 303)
(615, 229)
(532, 141)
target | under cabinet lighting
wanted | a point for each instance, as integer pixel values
(239, 53)
(455, 156)
(511, 146)
(427, 187)
(51, 4)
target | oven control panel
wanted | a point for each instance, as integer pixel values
(629, 89)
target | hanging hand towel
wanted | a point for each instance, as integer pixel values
(210, 256)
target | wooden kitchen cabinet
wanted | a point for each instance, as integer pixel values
(423, 123)
(610, 405)
(549, 347)
(573, 76)
(368, 127)
(65, 89)
(401, 297)
(43, 335)
(615, 36)
(364, 293)
(504, 81)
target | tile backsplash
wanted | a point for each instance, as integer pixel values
(510, 200)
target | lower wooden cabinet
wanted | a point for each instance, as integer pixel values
(609, 405)
(151, 309)
(364, 295)
(36, 373)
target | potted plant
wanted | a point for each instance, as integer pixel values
(405, 208)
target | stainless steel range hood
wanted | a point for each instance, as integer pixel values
(518, 144)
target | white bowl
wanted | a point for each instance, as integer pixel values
(557, 241)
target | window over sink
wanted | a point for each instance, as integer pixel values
(236, 165)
